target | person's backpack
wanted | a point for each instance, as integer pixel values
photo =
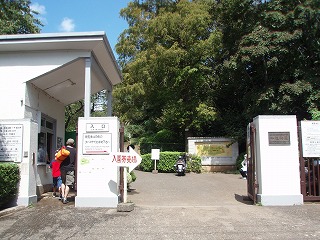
(62, 154)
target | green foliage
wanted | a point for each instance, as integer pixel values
(315, 115)
(146, 164)
(271, 52)
(16, 17)
(75, 110)
(167, 160)
(194, 164)
(167, 56)
(146, 147)
(9, 179)
(212, 66)
(133, 176)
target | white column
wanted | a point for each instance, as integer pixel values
(87, 88)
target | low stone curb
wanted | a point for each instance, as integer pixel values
(125, 207)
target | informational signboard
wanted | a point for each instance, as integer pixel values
(215, 153)
(11, 136)
(96, 143)
(310, 137)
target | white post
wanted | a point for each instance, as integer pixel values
(125, 185)
(87, 88)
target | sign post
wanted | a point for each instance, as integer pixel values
(155, 155)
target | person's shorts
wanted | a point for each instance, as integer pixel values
(67, 177)
(57, 181)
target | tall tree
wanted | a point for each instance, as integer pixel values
(167, 57)
(16, 17)
(271, 67)
(75, 110)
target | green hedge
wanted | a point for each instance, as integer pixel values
(9, 179)
(167, 161)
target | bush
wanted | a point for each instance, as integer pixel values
(9, 179)
(194, 164)
(133, 176)
(167, 161)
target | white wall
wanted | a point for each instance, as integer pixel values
(27, 164)
(22, 100)
(37, 102)
(16, 69)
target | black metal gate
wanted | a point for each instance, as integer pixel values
(309, 174)
(252, 184)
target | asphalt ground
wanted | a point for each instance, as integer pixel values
(195, 206)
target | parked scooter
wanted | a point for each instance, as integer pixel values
(181, 166)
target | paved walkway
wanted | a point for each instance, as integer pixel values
(195, 206)
(170, 190)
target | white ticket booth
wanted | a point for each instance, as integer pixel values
(42, 74)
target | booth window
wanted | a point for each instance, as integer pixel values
(46, 143)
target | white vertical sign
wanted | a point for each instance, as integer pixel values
(155, 155)
(310, 137)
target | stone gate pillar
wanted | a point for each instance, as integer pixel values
(277, 160)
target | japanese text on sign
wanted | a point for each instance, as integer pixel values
(11, 142)
(279, 138)
(97, 127)
(124, 159)
(99, 143)
(310, 138)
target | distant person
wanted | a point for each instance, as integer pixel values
(131, 145)
(56, 178)
(67, 168)
(244, 167)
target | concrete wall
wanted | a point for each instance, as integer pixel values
(277, 166)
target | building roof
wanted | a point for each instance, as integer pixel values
(106, 71)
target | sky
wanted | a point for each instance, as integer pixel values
(82, 16)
